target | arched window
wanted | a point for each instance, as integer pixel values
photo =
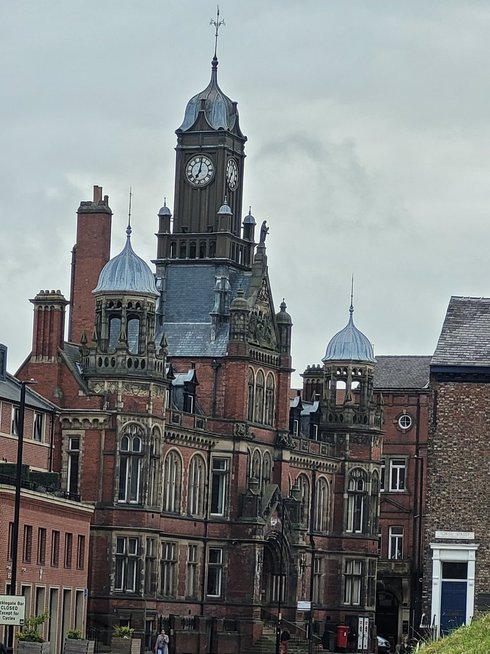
(255, 466)
(172, 480)
(154, 492)
(269, 400)
(251, 395)
(266, 469)
(197, 482)
(134, 335)
(357, 501)
(130, 463)
(304, 487)
(322, 505)
(114, 332)
(259, 397)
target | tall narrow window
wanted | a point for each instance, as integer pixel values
(14, 429)
(251, 395)
(397, 474)
(304, 487)
(81, 552)
(317, 580)
(322, 501)
(114, 332)
(266, 470)
(134, 335)
(356, 502)
(269, 399)
(150, 565)
(126, 564)
(172, 482)
(27, 548)
(154, 489)
(215, 572)
(353, 582)
(219, 485)
(396, 543)
(73, 470)
(130, 460)
(259, 397)
(255, 469)
(55, 548)
(169, 570)
(197, 479)
(41, 545)
(68, 549)
(191, 577)
(38, 427)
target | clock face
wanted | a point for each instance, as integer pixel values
(232, 174)
(199, 170)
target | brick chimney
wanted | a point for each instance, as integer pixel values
(89, 255)
(49, 326)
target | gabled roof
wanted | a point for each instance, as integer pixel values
(401, 372)
(465, 334)
(10, 391)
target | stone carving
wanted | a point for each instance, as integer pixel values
(284, 439)
(242, 430)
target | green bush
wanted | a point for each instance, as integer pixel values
(74, 634)
(122, 631)
(29, 631)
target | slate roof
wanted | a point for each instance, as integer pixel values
(189, 301)
(10, 391)
(397, 372)
(465, 334)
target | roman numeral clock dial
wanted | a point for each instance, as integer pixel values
(199, 171)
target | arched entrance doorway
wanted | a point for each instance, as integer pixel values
(275, 576)
(387, 611)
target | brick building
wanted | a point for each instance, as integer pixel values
(54, 526)
(457, 565)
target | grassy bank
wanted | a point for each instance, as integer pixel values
(471, 639)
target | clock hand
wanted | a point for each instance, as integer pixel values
(200, 167)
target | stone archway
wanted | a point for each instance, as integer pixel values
(275, 570)
(387, 615)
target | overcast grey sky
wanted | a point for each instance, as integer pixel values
(368, 126)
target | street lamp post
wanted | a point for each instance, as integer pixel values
(18, 484)
(281, 581)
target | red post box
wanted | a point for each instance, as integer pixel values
(342, 636)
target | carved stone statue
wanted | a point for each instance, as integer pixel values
(264, 230)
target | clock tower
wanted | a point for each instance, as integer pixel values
(208, 183)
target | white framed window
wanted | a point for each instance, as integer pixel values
(405, 422)
(150, 565)
(219, 485)
(38, 427)
(215, 572)
(197, 479)
(398, 469)
(130, 460)
(15, 426)
(395, 543)
(353, 582)
(126, 564)
(172, 478)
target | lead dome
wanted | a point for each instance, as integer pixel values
(349, 344)
(127, 273)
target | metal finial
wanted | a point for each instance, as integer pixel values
(351, 308)
(165, 201)
(128, 229)
(217, 24)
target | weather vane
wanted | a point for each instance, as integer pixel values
(217, 24)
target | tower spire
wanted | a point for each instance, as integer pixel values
(217, 24)
(128, 229)
(351, 308)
